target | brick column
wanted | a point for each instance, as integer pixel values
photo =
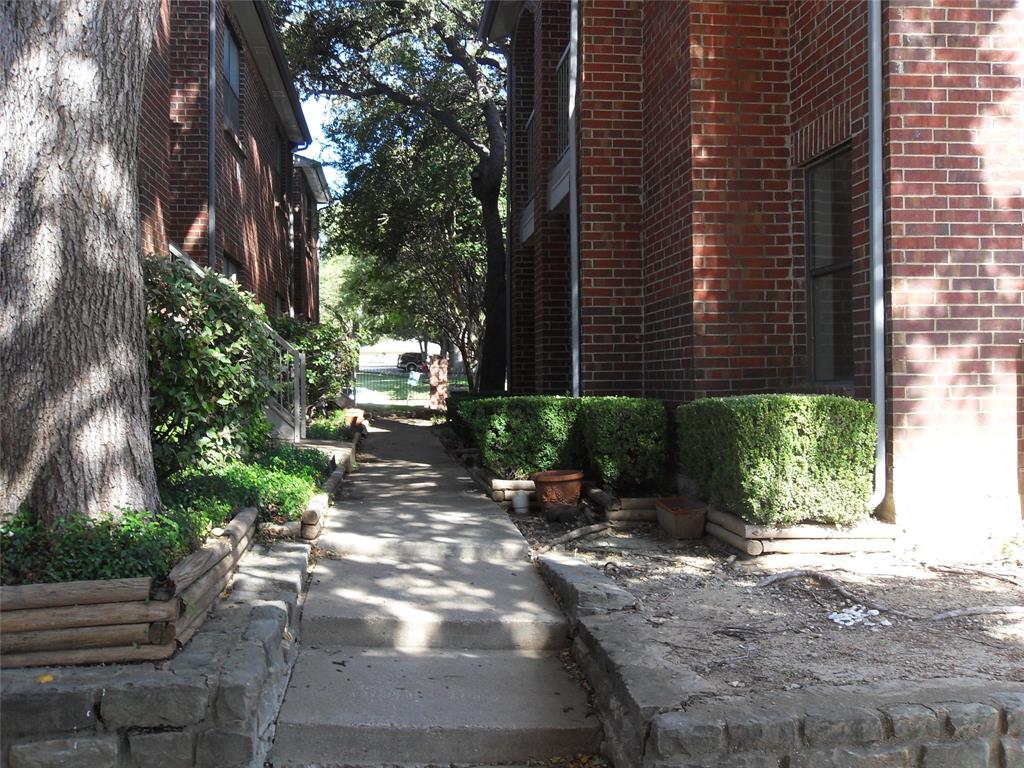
(955, 224)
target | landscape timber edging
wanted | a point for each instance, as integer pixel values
(212, 706)
(311, 523)
(658, 714)
(62, 623)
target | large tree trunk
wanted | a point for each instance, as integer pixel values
(74, 416)
(487, 189)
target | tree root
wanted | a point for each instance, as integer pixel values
(981, 610)
(579, 533)
(828, 581)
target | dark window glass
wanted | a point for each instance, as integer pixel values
(829, 256)
(232, 77)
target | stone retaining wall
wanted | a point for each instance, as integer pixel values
(660, 714)
(212, 706)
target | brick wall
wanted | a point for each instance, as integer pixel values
(252, 223)
(522, 379)
(552, 289)
(305, 261)
(743, 262)
(667, 190)
(955, 220)
(610, 121)
(154, 139)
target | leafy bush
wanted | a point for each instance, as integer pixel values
(518, 436)
(625, 441)
(305, 462)
(781, 459)
(276, 493)
(333, 426)
(129, 545)
(210, 366)
(331, 356)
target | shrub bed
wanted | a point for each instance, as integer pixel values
(625, 442)
(279, 481)
(518, 436)
(333, 426)
(331, 356)
(781, 459)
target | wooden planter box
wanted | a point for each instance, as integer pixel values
(868, 536)
(119, 620)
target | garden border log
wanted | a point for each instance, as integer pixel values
(106, 614)
(111, 636)
(55, 595)
(111, 655)
(867, 529)
(749, 546)
(838, 546)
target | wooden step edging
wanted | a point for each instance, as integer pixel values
(311, 523)
(120, 620)
(868, 536)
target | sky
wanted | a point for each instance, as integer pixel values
(317, 112)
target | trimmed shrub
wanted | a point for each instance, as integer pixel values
(625, 441)
(518, 436)
(278, 495)
(781, 459)
(333, 426)
(453, 410)
(210, 362)
(331, 356)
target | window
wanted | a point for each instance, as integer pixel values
(829, 273)
(232, 78)
(230, 268)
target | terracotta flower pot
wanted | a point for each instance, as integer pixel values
(680, 517)
(558, 486)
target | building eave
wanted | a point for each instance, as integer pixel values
(315, 178)
(498, 19)
(264, 45)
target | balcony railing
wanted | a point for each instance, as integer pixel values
(562, 73)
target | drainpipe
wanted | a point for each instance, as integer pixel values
(211, 206)
(574, 225)
(876, 244)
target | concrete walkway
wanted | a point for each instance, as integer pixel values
(427, 637)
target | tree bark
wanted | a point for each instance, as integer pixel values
(487, 189)
(74, 416)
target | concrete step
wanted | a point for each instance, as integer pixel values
(359, 601)
(356, 707)
(426, 530)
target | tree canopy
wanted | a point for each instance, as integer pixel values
(419, 104)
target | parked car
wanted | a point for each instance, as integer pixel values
(410, 362)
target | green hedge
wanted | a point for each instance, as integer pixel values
(453, 408)
(625, 439)
(781, 459)
(210, 362)
(518, 436)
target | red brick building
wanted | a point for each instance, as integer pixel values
(693, 213)
(222, 183)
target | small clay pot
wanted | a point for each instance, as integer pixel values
(558, 486)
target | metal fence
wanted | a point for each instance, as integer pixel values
(390, 384)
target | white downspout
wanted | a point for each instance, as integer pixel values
(574, 230)
(876, 237)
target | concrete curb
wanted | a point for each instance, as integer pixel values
(660, 714)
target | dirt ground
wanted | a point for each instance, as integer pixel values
(708, 607)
